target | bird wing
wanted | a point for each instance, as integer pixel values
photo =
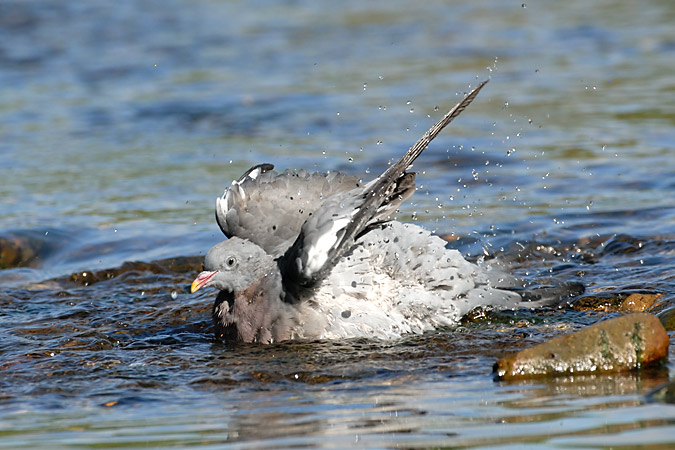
(269, 208)
(329, 233)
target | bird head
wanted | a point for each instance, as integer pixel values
(233, 266)
(249, 305)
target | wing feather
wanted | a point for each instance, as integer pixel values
(269, 208)
(353, 212)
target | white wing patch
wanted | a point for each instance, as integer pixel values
(254, 173)
(236, 186)
(233, 195)
(317, 254)
(221, 205)
(230, 195)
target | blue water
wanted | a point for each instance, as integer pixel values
(120, 123)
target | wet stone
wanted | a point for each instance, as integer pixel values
(667, 318)
(617, 302)
(628, 342)
(24, 249)
(170, 266)
(664, 393)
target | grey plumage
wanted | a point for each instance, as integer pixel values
(318, 256)
(270, 208)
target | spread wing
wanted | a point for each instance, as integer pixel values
(269, 208)
(330, 232)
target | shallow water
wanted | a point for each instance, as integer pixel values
(121, 123)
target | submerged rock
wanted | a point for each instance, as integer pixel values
(25, 248)
(667, 317)
(180, 265)
(628, 342)
(664, 393)
(616, 302)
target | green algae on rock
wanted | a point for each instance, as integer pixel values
(628, 342)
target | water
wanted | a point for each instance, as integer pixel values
(120, 123)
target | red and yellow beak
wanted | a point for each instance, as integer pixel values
(202, 280)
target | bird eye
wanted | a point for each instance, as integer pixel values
(231, 261)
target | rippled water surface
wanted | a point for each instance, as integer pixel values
(121, 122)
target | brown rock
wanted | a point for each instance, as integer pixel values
(638, 302)
(628, 342)
(616, 302)
(18, 251)
(449, 237)
(597, 302)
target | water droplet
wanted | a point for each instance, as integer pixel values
(351, 159)
(380, 77)
(412, 110)
(524, 6)
(474, 174)
(365, 85)
(408, 102)
(174, 295)
(338, 113)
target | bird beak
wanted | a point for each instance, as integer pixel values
(202, 280)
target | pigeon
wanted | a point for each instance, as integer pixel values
(319, 256)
